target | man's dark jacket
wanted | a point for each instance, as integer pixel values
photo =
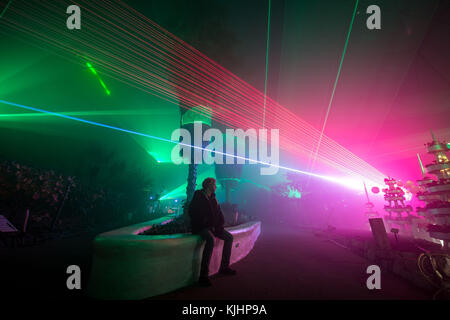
(205, 213)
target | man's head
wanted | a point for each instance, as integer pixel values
(209, 185)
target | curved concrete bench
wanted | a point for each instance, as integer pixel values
(127, 265)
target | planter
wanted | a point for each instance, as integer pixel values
(437, 147)
(434, 168)
(440, 235)
(441, 220)
(445, 188)
(424, 182)
(428, 197)
(438, 211)
(399, 210)
(127, 265)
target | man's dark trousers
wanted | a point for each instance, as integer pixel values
(208, 236)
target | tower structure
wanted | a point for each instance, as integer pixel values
(436, 193)
(396, 198)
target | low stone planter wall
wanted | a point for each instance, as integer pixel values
(127, 265)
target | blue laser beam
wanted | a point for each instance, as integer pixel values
(340, 181)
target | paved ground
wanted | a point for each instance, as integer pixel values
(40, 271)
(287, 263)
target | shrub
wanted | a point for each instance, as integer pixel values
(182, 224)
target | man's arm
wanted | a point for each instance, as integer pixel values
(193, 205)
(220, 218)
(197, 210)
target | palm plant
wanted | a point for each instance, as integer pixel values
(203, 25)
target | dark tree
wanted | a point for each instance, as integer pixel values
(202, 24)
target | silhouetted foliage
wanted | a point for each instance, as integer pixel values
(181, 224)
(88, 206)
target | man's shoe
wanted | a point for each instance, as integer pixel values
(227, 271)
(204, 282)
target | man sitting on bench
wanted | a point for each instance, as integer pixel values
(207, 221)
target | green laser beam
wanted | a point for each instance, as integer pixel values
(421, 165)
(40, 115)
(335, 84)
(4, 10)
(267, 64)
(160, 157)
(180, 191)
(98, 77)
(81, 113)
(91, 68)
(104, 87)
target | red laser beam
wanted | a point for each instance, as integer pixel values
(133, 49)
